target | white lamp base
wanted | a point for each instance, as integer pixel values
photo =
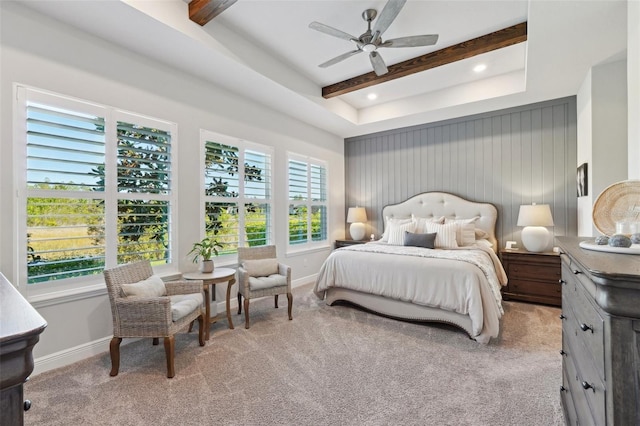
(535, 238)
(357, 231)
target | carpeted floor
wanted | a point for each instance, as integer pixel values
(329, 366)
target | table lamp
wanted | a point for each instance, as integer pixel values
(534, 218)
(356, 217)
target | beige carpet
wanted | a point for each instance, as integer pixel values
(329, 366)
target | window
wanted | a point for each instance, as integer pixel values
(307, 200)
(237, 199)
(96, 189)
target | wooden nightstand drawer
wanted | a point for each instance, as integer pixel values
(535, 272)
(536, 288)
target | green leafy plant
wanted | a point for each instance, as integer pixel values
(205, 249)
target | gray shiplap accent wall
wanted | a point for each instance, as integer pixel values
(508, 158)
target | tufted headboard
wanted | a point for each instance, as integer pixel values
(437, 204)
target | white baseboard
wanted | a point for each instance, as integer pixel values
(80, 352)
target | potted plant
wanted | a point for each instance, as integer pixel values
(204, 250)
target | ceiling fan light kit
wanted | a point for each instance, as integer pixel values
(371, 40)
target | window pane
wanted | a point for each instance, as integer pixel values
(144, 159)
(297, 224)
(143, 231)
(318, 183)
(257, 175)
(65, 149)
(318, 223)
(221, 224)
(257, 224)
(65, 238)
(221, 177)
(297, 180)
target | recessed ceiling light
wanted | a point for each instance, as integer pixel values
(372, 96)
(480, 68)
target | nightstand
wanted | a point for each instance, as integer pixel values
(344, 243)
(533, 277)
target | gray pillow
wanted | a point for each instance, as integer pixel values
(419, 240)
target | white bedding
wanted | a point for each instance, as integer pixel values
(466, 280)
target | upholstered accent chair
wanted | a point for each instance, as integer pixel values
(260, 274)
(144, 306)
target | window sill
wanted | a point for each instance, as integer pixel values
(292, 252)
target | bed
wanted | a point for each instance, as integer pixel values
(458, 283)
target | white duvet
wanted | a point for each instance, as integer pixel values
(465, 280)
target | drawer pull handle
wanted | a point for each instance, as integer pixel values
(585, 327)
(576, 272)
(586, 385)
(563, 282)
(562, 352)
(27, 405)
(562, 389)
(562, 316)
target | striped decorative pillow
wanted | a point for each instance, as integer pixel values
(466, 230)
(445, 234)
(396, 232)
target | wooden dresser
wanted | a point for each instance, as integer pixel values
(533, 277)
(600, 336)
(20, 328)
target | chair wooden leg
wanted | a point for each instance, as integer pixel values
(156, 341)
(169, 350)
(114, 349)
(246, 313)
(275, 299)
(239, 303)
(201, 329)
(290, 304)
(191, 326)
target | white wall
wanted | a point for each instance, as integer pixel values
(39, 52)
(633, 89)
(602, 134)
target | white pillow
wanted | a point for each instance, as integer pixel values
(396, 232)
(261, 267)
(420, 221)
(465, 230)
(151, 287)
(388, 221)
(445, 234)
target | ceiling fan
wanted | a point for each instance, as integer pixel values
(371, 40)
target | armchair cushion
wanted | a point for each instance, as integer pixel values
(274, 280)
(151, 287)
(183, 304)
(261, 267)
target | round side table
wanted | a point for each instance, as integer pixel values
(219, 275)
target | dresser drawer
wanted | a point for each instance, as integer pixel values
(533, 271)
(535, 288)
(575, 392)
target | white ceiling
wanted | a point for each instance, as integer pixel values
(264, 50)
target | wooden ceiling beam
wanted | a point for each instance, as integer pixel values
(203, 11)
(467, 49)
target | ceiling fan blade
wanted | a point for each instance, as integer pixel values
(386, 17)
(339, 58)
(411, 41)
(378, 64)
(331, 31)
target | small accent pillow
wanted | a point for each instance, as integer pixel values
(420, 221)
(465, 230)
(151, 287)
(261, 267)
(445, 234)
(396, 232)
(419, 240)
(480, 234)
(388, 222)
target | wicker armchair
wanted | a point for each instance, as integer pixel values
(252, 285)
(155, 316)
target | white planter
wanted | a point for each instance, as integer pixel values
(206, 265)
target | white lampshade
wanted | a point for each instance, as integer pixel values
(534, 218)
(356, 216)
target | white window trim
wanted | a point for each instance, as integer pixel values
(241, 200)
(310, 245)
(90, 285)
